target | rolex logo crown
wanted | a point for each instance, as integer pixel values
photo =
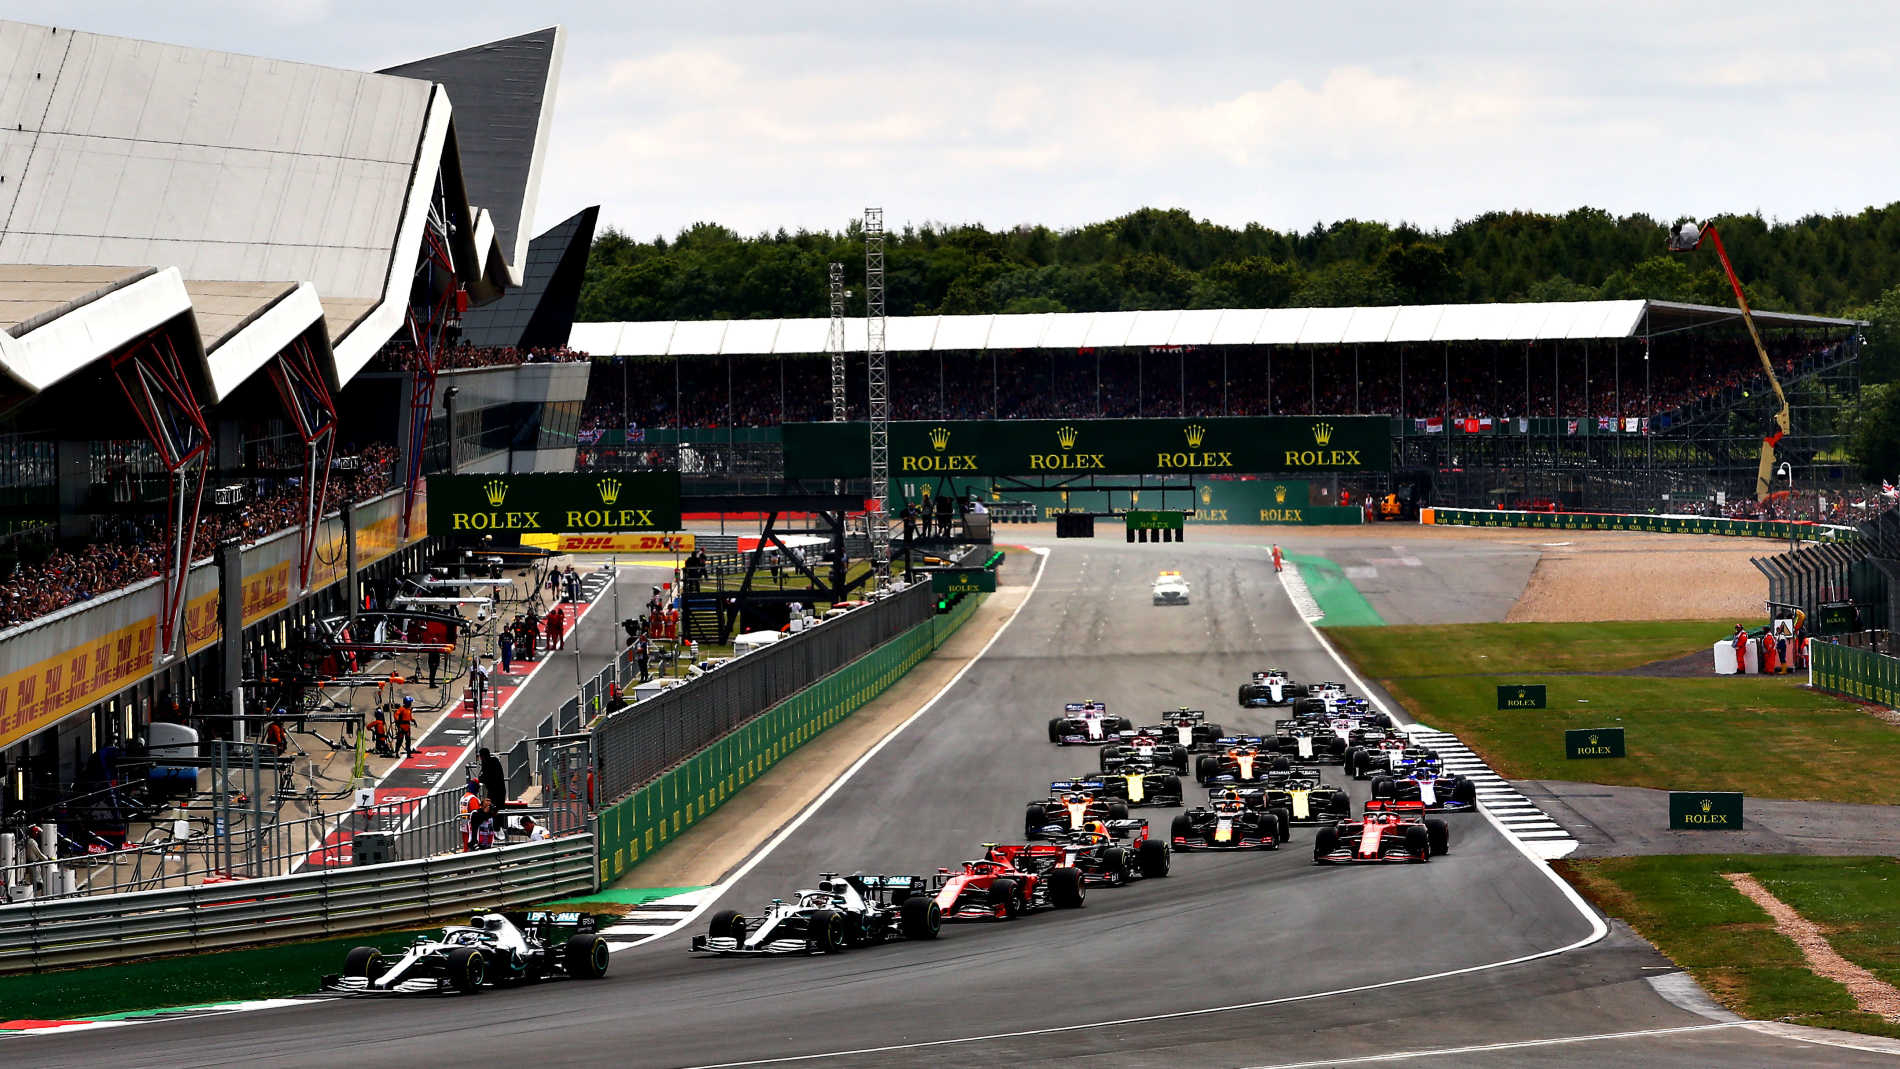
(939, 438)
(1207, 495)
(496, 491)
(1195, 432)
(1707, 805)
(1593, 740)
(1066, 435)
(1322, 433)
(609, 491)
(1279, 495)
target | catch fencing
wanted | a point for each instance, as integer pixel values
(1855, 673)
(53, 933)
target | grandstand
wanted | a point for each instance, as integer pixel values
(1593, 404)
(232, 290)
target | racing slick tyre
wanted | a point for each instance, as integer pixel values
(1115, 864)
(1419, 842)
(585, 956)
(1102, 755)
(1117, 724)
(1382, 786)
(1055, 730)
(1207, 733)
(920, 917)
(466, 969)
(1439, 834)
(1177, 759)
(1283, 763)
(1283, 819)
(366, 962)
(1181, 827)
(1034, 817)
(1465, 793)
(1206, 769)
(1342, 804)
(1065, 888)
(1168, 786)
(1008, 894)
(1153, 857)
(727, 924)
(1118, 811)
(1325, 841)
(827, 931)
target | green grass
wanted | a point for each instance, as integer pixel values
(1769, 737)
(1342, 602)
(1682, 904)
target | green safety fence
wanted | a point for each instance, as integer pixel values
(1856, 673)
(1601, 521)
(682, 796)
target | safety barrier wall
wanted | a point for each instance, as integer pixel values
(683, 795)
(83, 931)
(1855, 673)
(1603, 521)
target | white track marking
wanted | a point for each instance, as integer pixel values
(1487, 1048)
(718, 890)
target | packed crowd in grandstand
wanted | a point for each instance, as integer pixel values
(397, 357)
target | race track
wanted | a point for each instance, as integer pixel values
(1265, 941)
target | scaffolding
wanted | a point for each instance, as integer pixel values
(877, 521)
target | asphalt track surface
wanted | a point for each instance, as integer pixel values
(1243, 959)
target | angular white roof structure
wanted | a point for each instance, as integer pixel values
(1383, 325)
(280, 198)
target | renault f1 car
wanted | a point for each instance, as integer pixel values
(1107, 853)
(1133, 785)
(1389, 832)
(1228, 823)
(1144, 746)
(1086, 723)
(1437, 791)
(840, 913)
(1002, 888)
(492, 949)
(1271, 687)
(1170, 589)
(1240, 759)
(1305, 799)
(1069, 808)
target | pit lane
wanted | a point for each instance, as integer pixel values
(1236, 959)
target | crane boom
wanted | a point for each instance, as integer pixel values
(1768, 442)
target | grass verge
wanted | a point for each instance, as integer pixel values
(1769, 737)
(1682, 904)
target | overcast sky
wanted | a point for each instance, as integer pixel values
(761, 115)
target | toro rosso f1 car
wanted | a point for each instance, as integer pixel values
(1229, 823)
(1001, 888)
(1086, 723)
(1389, 832)
(840, 913)
(492, 949)
(1436, 791)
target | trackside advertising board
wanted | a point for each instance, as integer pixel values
(1582, 744)
(1603, 521)
(1230, 444)
(1705, 811)
(554, 503)
(1521, 696)
(947, 581)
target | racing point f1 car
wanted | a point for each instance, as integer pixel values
(1109, 853)
(1086, 723)
(840, 913)
(491, 949)
(1271, 687)
(1425, 784)
(1389, 832)
(1228, 823)
(996, 888)
(1071, 805)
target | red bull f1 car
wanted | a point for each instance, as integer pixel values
(1388, 832)
(840, 913)
(1107, 853)
(1228, 823)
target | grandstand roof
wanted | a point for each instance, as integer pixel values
(1388, 324)
(258, 199)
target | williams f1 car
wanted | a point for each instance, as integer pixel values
(1389, 832)
(1271, 687)
(840, 913)
(1086, 723)
(492, 949)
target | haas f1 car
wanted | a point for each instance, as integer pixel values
(1000, 887)
(1086, 724)
(840, 913)
(1147, 746)
(1389, 832)
(492, 949)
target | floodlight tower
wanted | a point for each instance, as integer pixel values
(834, 344)
(877, 522)
(1687, 237)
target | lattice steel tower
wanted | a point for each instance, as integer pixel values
(835, 343)
(876, 520)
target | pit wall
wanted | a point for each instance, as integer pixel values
(684, 795)
(1665, 524)
(1288, 502)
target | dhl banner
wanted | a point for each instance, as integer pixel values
(611, 543)
(40, 694)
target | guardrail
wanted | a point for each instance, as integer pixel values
(62, 932)
(1664, 524)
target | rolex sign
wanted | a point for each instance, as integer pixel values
(508, 506)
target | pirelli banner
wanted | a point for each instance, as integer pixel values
(1231, 445)
(554, 503)
(1608, 521)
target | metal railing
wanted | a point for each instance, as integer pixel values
(52, 933)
